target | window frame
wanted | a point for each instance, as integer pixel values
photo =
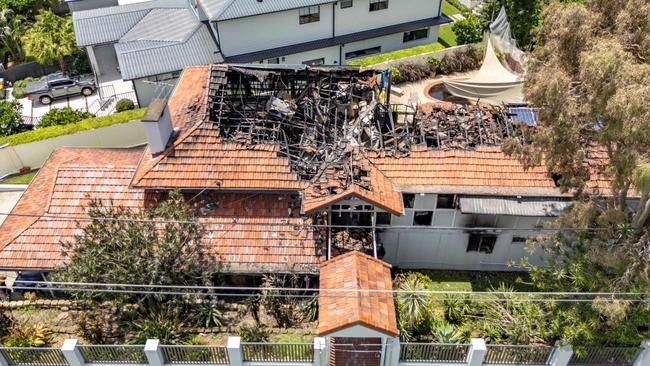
(348, 4)
(315, 62)
(481, 243)
(373, 49)
(406, 38)
(376, 5)
(453, 198)
(422, 212)
(307, 15)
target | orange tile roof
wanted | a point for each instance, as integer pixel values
(198, 158)
(382, 194)
(339, 309)
(263, 237)
(486, 168)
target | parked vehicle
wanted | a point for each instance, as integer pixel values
(58, 85)
(3, 90)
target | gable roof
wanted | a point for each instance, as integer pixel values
(356, 271)
(232, 9)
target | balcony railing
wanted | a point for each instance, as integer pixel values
(518, 355)
(18, 356)
(433, 352)
(113, 354)
(195, 355)
(606, 356)
(278, 352)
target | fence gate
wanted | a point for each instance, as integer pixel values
(355, 351)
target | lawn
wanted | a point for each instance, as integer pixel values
(19, 179)
(449, 9)
(476, 281)
(446, 36)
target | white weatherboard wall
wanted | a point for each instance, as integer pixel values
(358, 18)
(272, 30)
(447, 249)
(388, 43)
(34, 154)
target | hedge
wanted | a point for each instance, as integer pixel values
(83, 125)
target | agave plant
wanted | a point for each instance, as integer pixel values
(446, 333)
(412, 302)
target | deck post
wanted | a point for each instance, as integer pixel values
(3, 360)
(643, 358)
(234, 351)
(477, 350)
(154, 353)
(561, 354)
(72, 353)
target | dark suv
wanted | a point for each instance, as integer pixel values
(58, 85)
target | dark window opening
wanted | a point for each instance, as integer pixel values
(422, 218)
(556, 178)
(309, 14)
(383, 218)
(416, 34)
(519, 240)
(409, 200)
(316, 62)
(346, 4)
(273, 60)
(446, 201)
(352, 218)
(481, 243)
(378, 5)
(360, 53)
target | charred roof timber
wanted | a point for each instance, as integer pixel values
(324, 119)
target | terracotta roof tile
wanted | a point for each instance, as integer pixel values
(340, 309)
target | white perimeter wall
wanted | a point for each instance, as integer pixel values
(34, 154)
(447, 249)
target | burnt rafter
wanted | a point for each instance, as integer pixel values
(325, 118)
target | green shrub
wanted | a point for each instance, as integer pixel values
(468, 30)
(25, 335)
(6, 320)
(211, 315)
(253, 333)
(434, 64)
(62, 116)
(86, 124)
(164, 326)
(396, 78)
(20, 86)
(124, 105)
(461, 60)
(414, 71)
(10, 120)
(80, 65)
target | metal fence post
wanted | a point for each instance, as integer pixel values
(561, 354)
(643, 358)
(393, 351)
(71, 353)
(320, 356)
(3, 360)
(154, 353)
(477, 350)
(234, 351)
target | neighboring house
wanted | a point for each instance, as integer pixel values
(150, 42)
(286, 169)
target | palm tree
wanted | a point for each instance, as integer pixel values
(411, 301)
(12, 27)
(50, 39)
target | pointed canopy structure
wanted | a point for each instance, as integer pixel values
(493, 83)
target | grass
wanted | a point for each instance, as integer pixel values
(396, 55)
(19, 179)
(449, 9)
(446, 36)
(83, 125)
(476, 281)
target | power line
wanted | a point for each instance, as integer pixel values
(235, 221)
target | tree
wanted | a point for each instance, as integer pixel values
(589, 77)
(26, 8)
(62, 116)
(50, 39)
(468, 30)
(524, 16)
(12, 27)
(161, 245)
(10, 119)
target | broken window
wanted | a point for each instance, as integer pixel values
(519, 240)
(378, 5)
(415, 35)
(360, 53)
(422, 218)
(346, 4)
(409, 200)
(481, 243)
(309, 14)
(318, 61)
(352, 218)
(383, 218)
(446, 201)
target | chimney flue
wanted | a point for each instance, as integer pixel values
(158, 125)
